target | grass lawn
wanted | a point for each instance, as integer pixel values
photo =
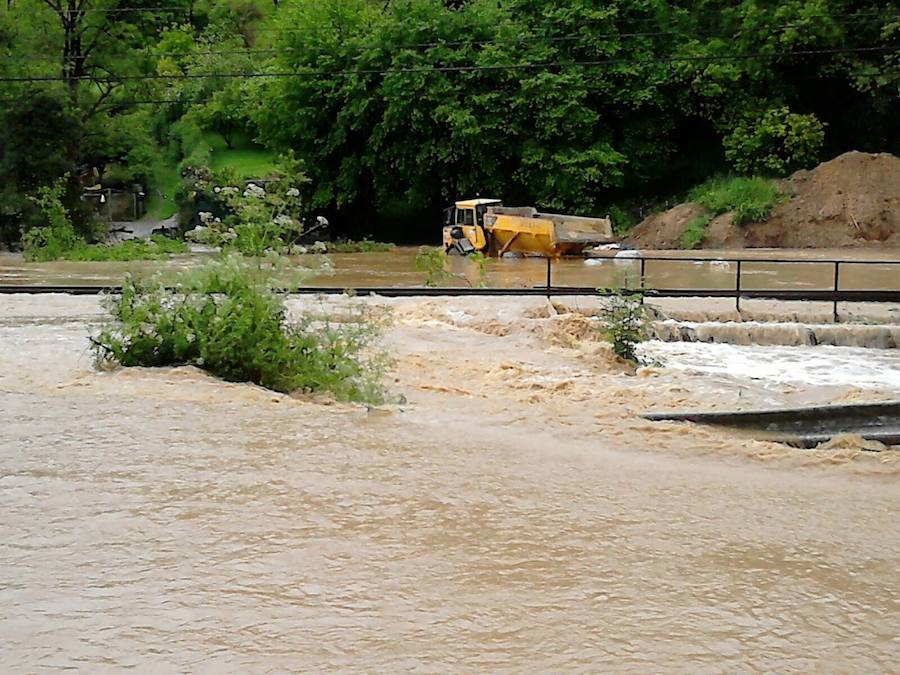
(248, 159)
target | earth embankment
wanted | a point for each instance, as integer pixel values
(851, 200)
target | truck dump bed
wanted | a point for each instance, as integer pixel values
(578, 229)
(525, 230)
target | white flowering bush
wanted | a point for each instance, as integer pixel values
(262, 217)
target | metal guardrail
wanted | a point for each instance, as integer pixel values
(833, 295)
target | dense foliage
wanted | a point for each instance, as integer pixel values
(572, 105)
(748, 199)
(57, 239)
(227, 318)
(397, 107)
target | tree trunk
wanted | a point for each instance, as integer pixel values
(73, 57)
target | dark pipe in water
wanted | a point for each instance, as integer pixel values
(804, 427)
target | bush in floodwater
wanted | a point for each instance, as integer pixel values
(361, 246)
(481, 262)
(431, 261)
(228, 318)
(157, 246)
(624, 323)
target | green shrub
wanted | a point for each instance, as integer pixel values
(53, 240)
(694, 232)
(481, 262)
(228, 318)
(58, 240)
(191, 145)
(622, 221)
(774, 142)
(749, 199)
(131, 249)
(362, 246)
(624, 323)
(431, 261)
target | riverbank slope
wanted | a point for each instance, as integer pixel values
(852, 200)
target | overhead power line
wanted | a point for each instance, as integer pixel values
(420, 45)
(570, 38)
(122, 10)
(188, 10)
(112, 102)
(616, 19)
(312, 73)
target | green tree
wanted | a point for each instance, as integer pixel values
(45, 120)
(775, 142)
(224, 112)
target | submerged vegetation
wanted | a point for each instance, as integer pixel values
(153, 248)
(229, 318)
(431, 262)
(623, 322)
(361, 246)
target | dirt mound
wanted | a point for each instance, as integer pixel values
(852, 200)
(663, 230)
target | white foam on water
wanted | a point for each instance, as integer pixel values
(821, 365)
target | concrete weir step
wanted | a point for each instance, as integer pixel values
(883, 336)
(804, 427)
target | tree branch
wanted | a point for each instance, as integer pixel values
(103, 96)
(55, 6)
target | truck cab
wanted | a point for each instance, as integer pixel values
(464, 231)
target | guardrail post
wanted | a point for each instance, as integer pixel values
(643, 270)
(737, 288)
(837, 273)
(549, 263)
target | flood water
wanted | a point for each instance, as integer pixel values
(397, 268)
(515, 515)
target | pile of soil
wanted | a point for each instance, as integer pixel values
(852, 200)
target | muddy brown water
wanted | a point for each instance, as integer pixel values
(515, 515)
(397, 268)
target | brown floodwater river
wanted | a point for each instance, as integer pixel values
(514, 514)
(397, 268)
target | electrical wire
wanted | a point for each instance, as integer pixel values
(454, 43)
(313, 73)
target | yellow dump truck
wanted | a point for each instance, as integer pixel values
(486, 225)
